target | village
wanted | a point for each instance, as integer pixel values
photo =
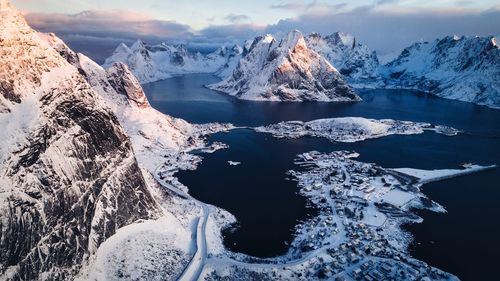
(362, 207)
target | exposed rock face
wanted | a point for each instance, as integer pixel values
(68, 175)
(461, 68)
(117, 80)
(153, 134)
(124, 82)
(353, 60)
(285, 71)
(156, 62)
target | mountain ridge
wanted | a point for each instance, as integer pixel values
(150, 63)
(361, 68)
(453, 67)
(68, 173)
(353, 60)
(285, 71)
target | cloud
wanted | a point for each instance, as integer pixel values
(392, 29)
(230, 33)
(106, 29)
(382, 2)
(101, 23)
(234, 18)
(294, 6)
(385, 28)
(314, 5)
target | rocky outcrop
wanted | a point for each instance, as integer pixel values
(125, 83)
(68, 174)
(285, 71)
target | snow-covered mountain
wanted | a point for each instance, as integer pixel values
(79, 151)
(460, 68)
(157, 62)
(353, 60)
(68, 174)
(285, 71)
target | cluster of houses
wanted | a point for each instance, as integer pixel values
(357, 251)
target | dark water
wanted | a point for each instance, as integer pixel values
(464, 241)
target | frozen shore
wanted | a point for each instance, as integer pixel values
(427, 176)
(351, 129)
(358, 231)
(362, 208)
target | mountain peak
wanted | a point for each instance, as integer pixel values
(5, 5)
(139, 44)
(122, 48)
(294, 38)
(88, 183)
(342, 38)
(289, 71)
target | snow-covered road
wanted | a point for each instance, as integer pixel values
(194, 269)
(195, 266)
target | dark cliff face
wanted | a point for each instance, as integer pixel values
(73, 179)
(125, 83)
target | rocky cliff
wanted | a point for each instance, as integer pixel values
(68, 174)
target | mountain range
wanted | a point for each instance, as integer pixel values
(285, 70)
(81, 145)
(156, 62)
(460, 68)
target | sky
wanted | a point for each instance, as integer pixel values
(96, 27)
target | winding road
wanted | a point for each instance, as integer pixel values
(194, 269)
(195, 266)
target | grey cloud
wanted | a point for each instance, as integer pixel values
(231, 33)
(234, 18)
(97, 33)
(382, 2)
(392, 31)
(301, 6)
(288, 6)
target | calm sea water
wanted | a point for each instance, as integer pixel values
(464, 241)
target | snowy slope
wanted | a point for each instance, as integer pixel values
(153, 134)
(68, 175)
(157, 62)
(460, 68)
(232, 55)
(353, 60)
(154, 249)
(285, 71)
